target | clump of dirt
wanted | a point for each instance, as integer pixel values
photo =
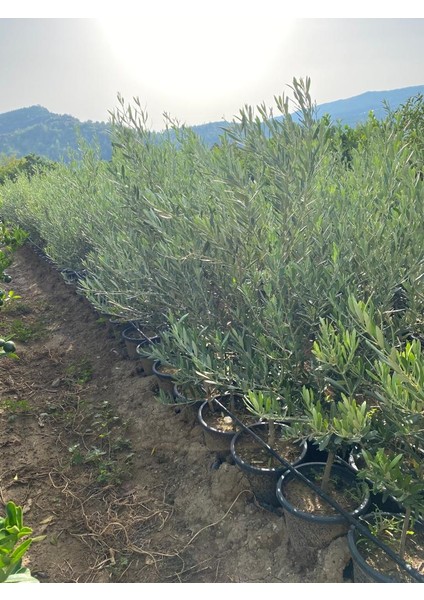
(123, 486)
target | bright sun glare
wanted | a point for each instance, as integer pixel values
(200, 60)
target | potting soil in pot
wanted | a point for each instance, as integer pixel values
(375, 566)
(312, 523)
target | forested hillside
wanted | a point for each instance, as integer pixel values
(35, 130)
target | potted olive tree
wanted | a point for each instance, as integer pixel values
(402, 531)
(312, 522)
(253, 457)
(202, 359)
(394, 467)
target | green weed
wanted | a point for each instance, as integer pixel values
(104, 449)
(18, 308)
(22, 331)
(79, 372)
(12, 406)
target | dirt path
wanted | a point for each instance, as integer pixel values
(122, 486)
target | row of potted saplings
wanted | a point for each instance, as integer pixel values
(347, 460)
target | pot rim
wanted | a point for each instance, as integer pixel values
(322, 519)
(159, 374)
(155, 339)
(126, 336)
(208, 427)
(359, 558)
(248, 467)
(146, 343)
(183, 399)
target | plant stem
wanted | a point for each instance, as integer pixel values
(271, 433)
(271, 439)
(327, 471)
(405, 528)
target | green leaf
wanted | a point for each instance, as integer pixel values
(23, 575)
(18, 553)
(395, 461)
(12, 515)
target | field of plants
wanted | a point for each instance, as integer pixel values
(283, 267)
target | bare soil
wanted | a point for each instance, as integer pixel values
(122, 486)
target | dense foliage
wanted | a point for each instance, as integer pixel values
(258, 259)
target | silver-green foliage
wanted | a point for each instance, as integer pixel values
(264, 235)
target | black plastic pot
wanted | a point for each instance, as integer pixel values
(115, 328)
(362, 570)
(263, 480)
(166, 381)
(218, 440)
(132, 338)
(181, 398)
(308, 532)
(72, 277)
(316, 455)
(142, 353)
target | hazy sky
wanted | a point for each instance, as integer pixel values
(200, 64)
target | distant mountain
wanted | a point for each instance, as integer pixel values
(352, 111)
(35, 130)
(349, 111)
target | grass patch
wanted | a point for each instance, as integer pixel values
(14, 407)
(18, 308)
(21, 331)
(103, 444)
(79, 372)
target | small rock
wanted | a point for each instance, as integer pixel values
(333, 560)
(55, 383)
(40, 575)
(42, 418)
